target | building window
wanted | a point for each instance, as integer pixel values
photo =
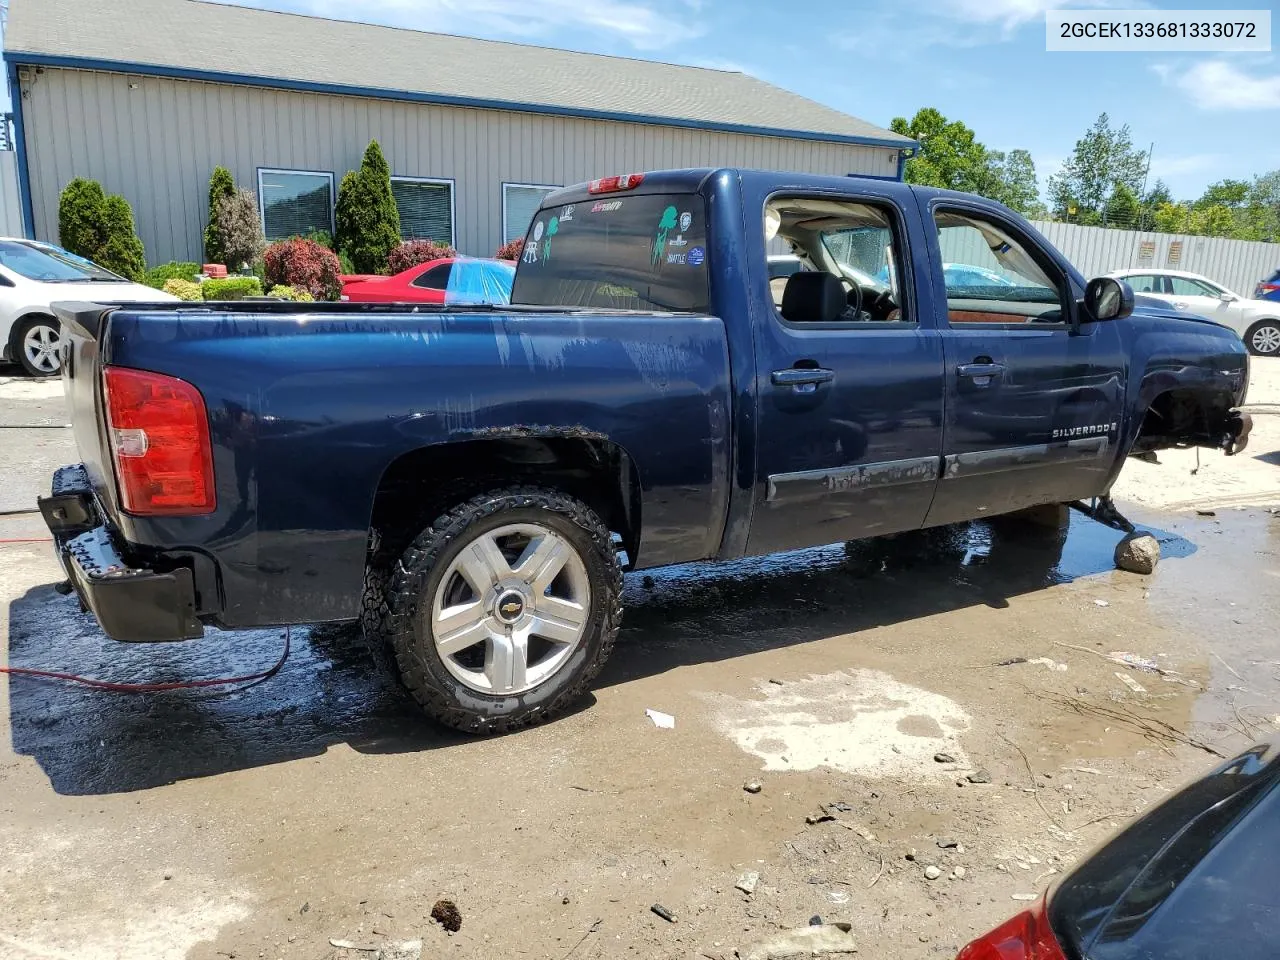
(295, 202)
(426, 208)
(520, 201)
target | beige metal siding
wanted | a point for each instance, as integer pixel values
(10, 205)
(157, 140)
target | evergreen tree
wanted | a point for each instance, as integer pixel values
(368, 223)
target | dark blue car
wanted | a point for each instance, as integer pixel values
(472, 480)
(1269, 289)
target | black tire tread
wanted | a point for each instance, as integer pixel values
(390, 612)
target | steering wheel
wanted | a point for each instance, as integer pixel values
(853, 298)
(880, 304)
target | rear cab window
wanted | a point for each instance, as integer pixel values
(617, 251)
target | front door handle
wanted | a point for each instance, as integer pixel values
(976, 370)
(801, 376)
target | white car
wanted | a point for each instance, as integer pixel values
(32, 276)
(1257, 321)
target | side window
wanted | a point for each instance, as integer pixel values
(993, 277)
(1182, 287)
(437, 278)
(1144, 283)
(844, 262)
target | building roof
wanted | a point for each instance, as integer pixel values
(213, 41)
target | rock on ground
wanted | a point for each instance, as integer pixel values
(1138, 553)
(827, 940)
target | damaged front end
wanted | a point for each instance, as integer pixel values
(1181, 419)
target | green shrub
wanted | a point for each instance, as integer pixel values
(183, 289)
(221, 186)
(344, 263)
(239, 229)
(100, 228)
(173, 270)
(322, 237)
(231, 288)
(368, 223)
(285, 292)
(81, 218)
(123, 252)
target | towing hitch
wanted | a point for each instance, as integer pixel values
(1103, 510)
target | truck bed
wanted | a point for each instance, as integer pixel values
(311, 405)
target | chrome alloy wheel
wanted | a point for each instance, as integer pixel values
(1265, 339)
(510, 609)
(40, 347)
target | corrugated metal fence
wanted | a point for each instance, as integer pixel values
(10, 205)
(1236, 264)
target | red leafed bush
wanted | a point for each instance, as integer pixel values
(304, 265)
(413, 252)
(511, 250)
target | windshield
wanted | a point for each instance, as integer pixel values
(50, 264)
(617, 251)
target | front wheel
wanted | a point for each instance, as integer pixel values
(504, 609)
(1263, 338)
(37, 341)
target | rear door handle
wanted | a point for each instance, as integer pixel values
(976, 370)
(801, 376)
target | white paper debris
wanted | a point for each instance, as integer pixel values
(1131, 683)
(663, 721)
(1053, 665)
(1101, 603)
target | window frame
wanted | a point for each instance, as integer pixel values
(1207, 288)
(502, 226)
(1066, 295)
(453, 202)
(908, 306)
(447, 267)
(262, 200)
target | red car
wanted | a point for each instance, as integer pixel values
(449, 280)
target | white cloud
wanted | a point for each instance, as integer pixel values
(636, 23)
(1219, 85)
(1012, 14)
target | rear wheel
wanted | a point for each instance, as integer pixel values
(503, 610)
(37, 341)
(1263, 338)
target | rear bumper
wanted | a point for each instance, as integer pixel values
(131, 602)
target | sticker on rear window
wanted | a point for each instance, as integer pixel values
(666, 224)
(696, 256)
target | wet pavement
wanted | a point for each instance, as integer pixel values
(319, 804)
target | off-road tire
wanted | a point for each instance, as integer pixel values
(411, 586)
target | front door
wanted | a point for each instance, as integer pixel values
(1196, 296)
(848, 372)
(1033, 405)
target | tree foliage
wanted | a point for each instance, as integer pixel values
(1103, 159)
(951, 157)
(221, 185)
(239, 228)
(367, 221)
(99, 227)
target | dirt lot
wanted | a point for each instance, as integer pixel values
(318, 806)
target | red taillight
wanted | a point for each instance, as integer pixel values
(1265, 288)
(160, 443)
(1026, 937)
(628, 181)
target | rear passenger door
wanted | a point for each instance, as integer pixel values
(848, 375)
(1033, 402)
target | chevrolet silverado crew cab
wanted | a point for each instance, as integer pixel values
(472, 481)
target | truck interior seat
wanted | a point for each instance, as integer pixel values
(813, 297)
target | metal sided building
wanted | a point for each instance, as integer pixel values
(148, 96)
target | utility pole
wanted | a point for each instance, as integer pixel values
(1142, 200)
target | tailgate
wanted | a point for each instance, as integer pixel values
(83, 326)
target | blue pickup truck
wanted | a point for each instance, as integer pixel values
(472, 481)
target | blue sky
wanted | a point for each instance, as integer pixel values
(1210, 116)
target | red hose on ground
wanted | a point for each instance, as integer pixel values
(248, 680)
